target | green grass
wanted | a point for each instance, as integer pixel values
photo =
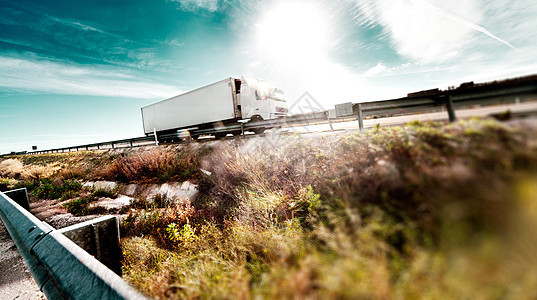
(48, 189)
(81, 206)
(108, 193)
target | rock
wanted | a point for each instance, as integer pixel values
(177, 190)
(117, 203)
(100, 185)
(208, 173)
(131, 189)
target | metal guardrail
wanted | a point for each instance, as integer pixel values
(508, 91)
(111, 144)
(61, 269)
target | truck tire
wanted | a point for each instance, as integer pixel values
(255, 119)
(220, 135)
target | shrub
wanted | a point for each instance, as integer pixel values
(161, 200)
(11, 168)
(81, 206)
(158, 201)
(54, 190)
(108, 193)
(155, 221)
(156, 165)
(30, 185)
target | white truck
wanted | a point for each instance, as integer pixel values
(216, 108)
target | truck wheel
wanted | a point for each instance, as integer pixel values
(255, 119)
(220, 135)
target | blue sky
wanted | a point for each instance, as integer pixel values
(74, 72)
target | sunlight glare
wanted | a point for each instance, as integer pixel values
(292, 32)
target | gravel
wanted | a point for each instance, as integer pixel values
(16, 282)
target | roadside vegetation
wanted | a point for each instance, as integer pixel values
(425, 210)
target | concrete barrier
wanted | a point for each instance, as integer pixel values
(20, 196)
(100, 238)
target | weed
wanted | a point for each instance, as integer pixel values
(81, 206)
(155, 221)
(30, 185)
(161, 200)
(69, 195)
(185, 235)
(154, 166)
(108, 193)
(55, 189)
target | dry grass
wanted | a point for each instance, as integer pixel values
(154, 165)
(420, 211)
(14, 168)
(408, 212)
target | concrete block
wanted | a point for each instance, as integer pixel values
(100, 238)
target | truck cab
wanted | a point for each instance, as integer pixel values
(260, 99)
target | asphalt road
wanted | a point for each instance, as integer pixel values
(16, 282)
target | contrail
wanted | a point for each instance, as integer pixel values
(460, 20)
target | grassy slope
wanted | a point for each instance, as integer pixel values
(421, 211)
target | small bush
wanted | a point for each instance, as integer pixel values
(30, 185)
(155, 221)
(69, 195)
(161, 200)
(81, 206)
(54, 190)
(156, 165)
(108, 193)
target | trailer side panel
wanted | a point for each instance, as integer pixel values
(211, 103)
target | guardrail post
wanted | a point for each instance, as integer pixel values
(330, 123)
(360, 118)
(450, 109)
(155, 134)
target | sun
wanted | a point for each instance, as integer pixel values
(292, 32)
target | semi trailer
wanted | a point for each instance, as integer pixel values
(217, 109)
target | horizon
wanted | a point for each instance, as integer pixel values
(76, 73)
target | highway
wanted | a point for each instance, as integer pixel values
(521, 108)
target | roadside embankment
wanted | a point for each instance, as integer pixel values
(425, 210)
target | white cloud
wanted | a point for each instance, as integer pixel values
(36, 75)
(424, 31)
(195, 5)
(376, 70)
(75, 24)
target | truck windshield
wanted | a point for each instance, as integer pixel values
(272, 93)
(278, 95)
